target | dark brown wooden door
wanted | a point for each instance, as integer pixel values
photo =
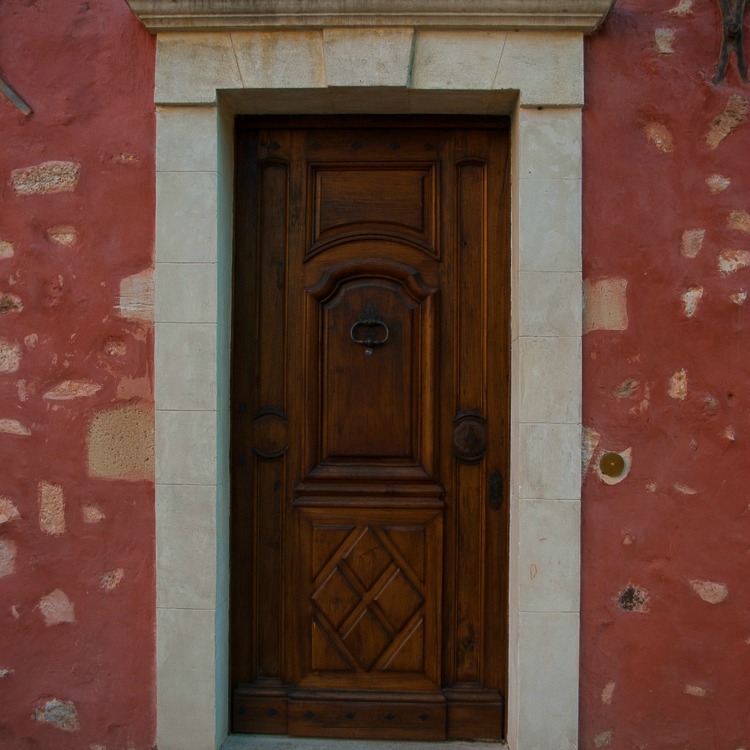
(370, 428)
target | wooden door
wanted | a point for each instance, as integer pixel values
(370, 428)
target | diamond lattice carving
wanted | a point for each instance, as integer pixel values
(367, 599)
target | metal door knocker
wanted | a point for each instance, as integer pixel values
(369, 331)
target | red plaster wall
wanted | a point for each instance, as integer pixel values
(86, 69)
(674, 675)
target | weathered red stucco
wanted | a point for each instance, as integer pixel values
(675, 674)
(665, 646)
(86, 69)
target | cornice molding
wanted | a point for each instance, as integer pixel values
(240, 15)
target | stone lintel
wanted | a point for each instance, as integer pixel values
(237, 15)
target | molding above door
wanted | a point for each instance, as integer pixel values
(237, 15)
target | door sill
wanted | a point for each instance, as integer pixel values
(271, 742)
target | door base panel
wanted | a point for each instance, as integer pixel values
(454, 714)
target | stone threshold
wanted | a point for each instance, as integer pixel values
(270, 742)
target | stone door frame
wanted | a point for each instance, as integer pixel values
(408, 65)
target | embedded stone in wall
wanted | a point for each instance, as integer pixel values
(664, 41)
(6, 249)
(59, 714)
(690, 300)
(734, 113)
(717, 183)
(51, 509)
(92, 514)
(605, 305)
(65, 236)
(692, 242)
(591, 439)
(5, 672)
(739, 220)
(678, 385)
(607, 692)
(137, 296)
(683, 8)
(695, 690)
(660, 136)
(56, 608)
(112, 579)
(604, 739)
(738, 298)
(8, 510)
(120, 444)
(7, 557)
(732, 260)
(13, 427)
(710, 591)
(10, 356)
(10, 303)
(49, 177)
(70, 389)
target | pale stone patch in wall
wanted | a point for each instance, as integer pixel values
(136, 299)
(717, 183)
(695, 690)
(5, 672)
(121, 444)
(692, 242)
(591, 439)
(724, 123)
(92, 513)
(6, 249)
(8, 510)
(65, 236)
(49, 177)
(115, 348)
(8, 550)
(13, 427)
(608, 692)
(51, 508)
(664, 41)
(10, 356)
(56, 608)
(690, 299)
(732, 260)
(710, 591)
(660, 136)
(70, 389)
(112, 579)
(678, 385)
(738, 298)
(59, 714)
(605, 305)
(739, 220)
(604, 739)
(683, 8)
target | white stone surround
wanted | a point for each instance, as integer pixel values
(202, 80)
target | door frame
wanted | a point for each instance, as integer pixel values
(203, 80)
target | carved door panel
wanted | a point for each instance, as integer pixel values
(369, 439)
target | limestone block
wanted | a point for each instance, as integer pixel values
(280, 59)
(457, 59)
(191, 67)
(547, 69)
(367, 57)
